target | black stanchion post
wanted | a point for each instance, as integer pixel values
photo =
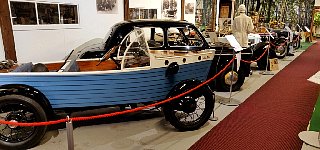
(230, 101)
(266, 72)
(69, 127)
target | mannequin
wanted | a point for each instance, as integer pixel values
(242, 26)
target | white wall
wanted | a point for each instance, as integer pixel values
(2, 55)
(53, 42)
(191, 17)
(317, 3)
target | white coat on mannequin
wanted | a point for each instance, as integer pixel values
(242, 26)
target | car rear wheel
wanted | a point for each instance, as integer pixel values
(191, 111)
(17, 108)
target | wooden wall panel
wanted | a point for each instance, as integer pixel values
(126, 9)
(182, 9)
(6, 30)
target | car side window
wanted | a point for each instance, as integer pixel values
(136, 50)
(154, 36)
(184, 36)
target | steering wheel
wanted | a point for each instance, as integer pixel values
(107, 55)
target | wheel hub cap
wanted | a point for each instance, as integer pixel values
(189, 105)
(280, 50)
(231, 77)
(13, 126)
(14, 117)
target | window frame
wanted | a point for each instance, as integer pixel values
(163, 38)
(38, 26)
(77, 6)
(10, 11)
(37, 12)
(184, 36)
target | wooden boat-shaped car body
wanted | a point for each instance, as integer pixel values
(128, 73)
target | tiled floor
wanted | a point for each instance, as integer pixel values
(148, 130)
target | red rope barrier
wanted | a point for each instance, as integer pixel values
(265, 51)
(298, 37)
(117, 113)
(33, 124)
(282, 44)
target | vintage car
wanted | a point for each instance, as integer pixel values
(140, 65)
(178, 36)
(279, 41)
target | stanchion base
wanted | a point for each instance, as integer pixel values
(229, 101)
(310, 138)
(213, 118)
(285, 59)
(267, 73)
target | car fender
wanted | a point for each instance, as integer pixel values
(184, 86)
(224, 62)
(30, 92)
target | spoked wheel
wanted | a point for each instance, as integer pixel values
(190, 112)
(229, 77)
(296, 44)
(281, 51)
(16, 108)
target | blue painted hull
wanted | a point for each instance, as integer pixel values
(83, 90)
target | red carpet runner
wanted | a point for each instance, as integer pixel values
(272, 117)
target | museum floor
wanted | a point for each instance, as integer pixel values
(148, 129)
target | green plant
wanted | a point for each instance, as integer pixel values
(316, 19)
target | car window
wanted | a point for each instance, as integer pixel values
(154, 36)
(184, 36)
(135, 50)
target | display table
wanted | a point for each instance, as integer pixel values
(253, 39)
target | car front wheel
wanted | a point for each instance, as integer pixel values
(17, 108)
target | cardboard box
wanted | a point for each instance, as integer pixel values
(274, 64)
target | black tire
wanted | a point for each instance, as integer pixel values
(296, 44)
(262, 64)
(223, 82)
(185, 106)
(282, 51)
(21, 109)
